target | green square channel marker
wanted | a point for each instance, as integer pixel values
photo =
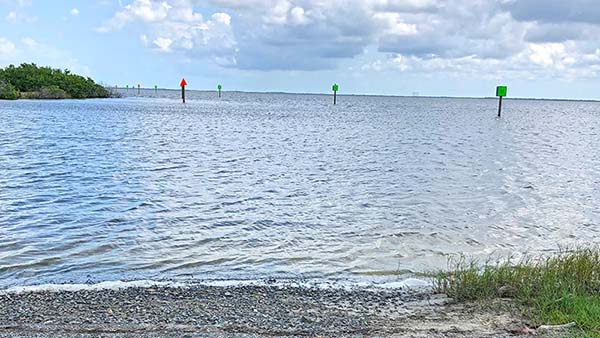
(335, 87)
(501, 91)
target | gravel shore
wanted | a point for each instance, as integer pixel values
(247, 311)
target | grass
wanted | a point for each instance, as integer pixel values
(553, 290)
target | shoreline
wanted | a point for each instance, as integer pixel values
(412, 284)
(248, 311)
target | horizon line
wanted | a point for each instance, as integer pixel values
(372, 95)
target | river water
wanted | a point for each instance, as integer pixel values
(255, 186)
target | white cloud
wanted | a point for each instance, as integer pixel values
(393, 24)
(297, 15)
(74, 12)
(144, 39)
(163, 44)
(176, 27)
(31, 43)
(16, 3)
(222, 18)
(144, 10)
(547, 54)
(7, 49)
(11, 17)
(16, 17)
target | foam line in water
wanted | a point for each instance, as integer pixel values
(111, 285)
(409, 283)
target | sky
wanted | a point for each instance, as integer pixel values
(538, 48)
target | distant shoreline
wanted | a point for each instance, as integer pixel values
(366, 95)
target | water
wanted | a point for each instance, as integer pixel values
(288, 186)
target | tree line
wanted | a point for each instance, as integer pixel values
(33, 82)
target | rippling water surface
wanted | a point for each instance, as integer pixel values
(287, 186)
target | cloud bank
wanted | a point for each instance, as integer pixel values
(523, 37)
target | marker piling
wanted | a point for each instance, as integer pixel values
(500, 92)
(183, 83)
(335, 88)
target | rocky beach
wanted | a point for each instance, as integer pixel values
(249, 311)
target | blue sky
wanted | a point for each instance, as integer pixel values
(435, 47)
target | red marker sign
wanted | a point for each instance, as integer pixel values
(139, 86)
(183, 84)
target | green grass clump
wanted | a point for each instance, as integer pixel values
(559, 289)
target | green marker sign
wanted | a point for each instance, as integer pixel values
(219, 87)
(335, 87)
(501, 91)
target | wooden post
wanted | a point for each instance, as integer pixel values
(500, 92)
(500, 107)
(335, 88)
(183, 84)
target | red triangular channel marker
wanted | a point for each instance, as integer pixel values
(183, 83)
